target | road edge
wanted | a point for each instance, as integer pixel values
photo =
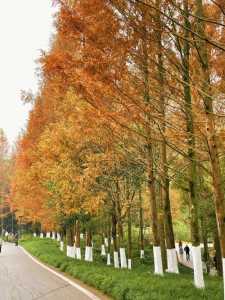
(69, 281)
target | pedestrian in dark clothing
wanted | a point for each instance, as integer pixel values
(215, 261)
(16, 239)
(181, 248)
(1, 242)
(187, 251)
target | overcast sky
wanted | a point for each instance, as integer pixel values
(26, 27)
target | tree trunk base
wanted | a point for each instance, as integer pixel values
(172, 263)
(123, 259)
(198, 268)
(88, 254)
(223, 260)
(61, 246)
(58, 237)
(108, 259)
(157, 260)
(129, 263)
(78, 253)
(103, 253)
(116, 260)
(70, 251)
(106, 242)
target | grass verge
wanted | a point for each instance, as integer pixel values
(138, 284)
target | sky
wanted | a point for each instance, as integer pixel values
(26, 27)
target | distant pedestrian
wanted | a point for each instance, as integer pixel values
(215, 261)
(187, 251)
(1, 243)
(181, 251)
(16, 239)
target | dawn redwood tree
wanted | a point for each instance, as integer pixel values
(207, 96)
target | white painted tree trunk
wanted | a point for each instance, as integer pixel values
(58, 237)
(88, 254)
(53, 235)
(91, 254)
(106, 242)
(157, 260)
(172, 263)
(116, 259)
(78, 253)
(81, 236)
(34, 234)
(197, 265)
(123, 259)
(223, 262)
(41, 235)
(61, 245)
(111, 241)
(68, 251)
(103, 253)
(108, 259)
(142, 254)
(48, 235)
(73, 252)
(129, 264)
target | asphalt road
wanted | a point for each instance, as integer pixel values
(23, 279)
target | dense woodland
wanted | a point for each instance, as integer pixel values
(126, 136)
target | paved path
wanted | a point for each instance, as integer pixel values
(182, 258)
(22, 279)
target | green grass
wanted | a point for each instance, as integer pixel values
(138, 284)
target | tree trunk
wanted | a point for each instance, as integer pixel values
(219, 199)
(154, 215)
(119, 224)
(149, 159)
(141, 225)
(169, 234)
(77, 242)
(109, 235)
(78, 234)
(129, 238)
(218, 254)
(69, 236)
(89, 248)
(162, 227)
(205, 243)
(114, 236)
(70, 242)
(103, 252)
(196, 250)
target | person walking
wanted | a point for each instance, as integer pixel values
(16, 239)
(1, 243)
(187, 251)
(181, 251)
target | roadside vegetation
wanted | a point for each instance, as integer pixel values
(138, 284)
